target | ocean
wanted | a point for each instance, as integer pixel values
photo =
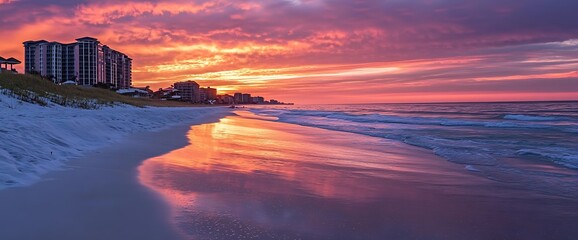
(376, 171)
(530, 144)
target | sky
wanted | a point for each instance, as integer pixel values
(326, 51)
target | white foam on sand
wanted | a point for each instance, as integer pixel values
(35, 140)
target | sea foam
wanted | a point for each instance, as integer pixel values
(477, 135)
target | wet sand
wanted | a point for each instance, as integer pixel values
(248, 178)
(98, 196)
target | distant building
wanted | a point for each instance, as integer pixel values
(136, 92)
(167, 94)
(189, 91)
(208, 94)
(226, 99)
(238, 97)
(258, 100)
(86, 62)
(212, 93)
(246, 98)
(203, 95)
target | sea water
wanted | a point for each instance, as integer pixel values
(533, 145)
(267, 177)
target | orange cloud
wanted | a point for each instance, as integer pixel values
(313, 51)
(7, 1)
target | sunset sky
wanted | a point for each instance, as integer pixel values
(322, 51)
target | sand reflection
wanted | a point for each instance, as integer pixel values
(248, 178)
(292, 161)
(254, 177)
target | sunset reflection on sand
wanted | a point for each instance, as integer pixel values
(245, 177)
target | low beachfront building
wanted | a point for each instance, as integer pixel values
(189, 91)
(226, 99)
(258, 100)
(238, 97)
(136, 92)
(166, 93)
(208, 94)
(246, 98)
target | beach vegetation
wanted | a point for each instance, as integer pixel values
(38, 90)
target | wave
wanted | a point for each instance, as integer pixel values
(501, 144)
(555, 155)
(457, 151)
(531, 122)
(521, 117)
(472, 141)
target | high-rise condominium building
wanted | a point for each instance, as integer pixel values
(86, 62)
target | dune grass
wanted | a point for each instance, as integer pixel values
(34, 89)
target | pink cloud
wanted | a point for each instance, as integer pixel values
(338, 47)
(7, 1)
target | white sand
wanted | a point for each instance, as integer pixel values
(99, 196)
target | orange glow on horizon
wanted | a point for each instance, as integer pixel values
(307, 58)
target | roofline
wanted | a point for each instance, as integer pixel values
(33, 42)
(87, 38)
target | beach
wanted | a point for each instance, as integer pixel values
(248, 177)
(289, 119)
(251, 176)
(37, 139)
(97, 195)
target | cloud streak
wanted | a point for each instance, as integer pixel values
(6, 1)
(311, 51)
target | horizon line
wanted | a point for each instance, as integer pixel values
(376, 103)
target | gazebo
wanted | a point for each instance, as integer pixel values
(10, 61)
(3, 61)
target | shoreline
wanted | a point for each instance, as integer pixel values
(36, 140)
(235, 174)
(98, 195)
(246, 177)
